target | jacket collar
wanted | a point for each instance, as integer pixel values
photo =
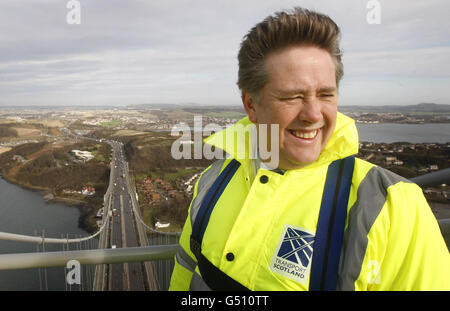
(343, 143)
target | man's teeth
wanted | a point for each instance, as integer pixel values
(307, 135)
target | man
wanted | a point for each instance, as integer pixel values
(264, 229)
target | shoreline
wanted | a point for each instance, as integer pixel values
(84, 208)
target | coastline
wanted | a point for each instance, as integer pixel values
(85, 208)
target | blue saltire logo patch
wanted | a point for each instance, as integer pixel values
(293, 255)
(296, 246)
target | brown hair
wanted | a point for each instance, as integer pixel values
(283, 29)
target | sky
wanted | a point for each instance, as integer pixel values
(185, 51)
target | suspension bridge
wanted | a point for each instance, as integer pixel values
(115, 258)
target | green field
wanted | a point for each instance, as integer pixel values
(111, 124)
(180, 173)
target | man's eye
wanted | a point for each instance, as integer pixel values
(291, 98)
(327, 95)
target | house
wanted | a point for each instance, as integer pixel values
(87, 190)
(434, 167)
(155, 196)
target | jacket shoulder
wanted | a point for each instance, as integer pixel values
(375, 177)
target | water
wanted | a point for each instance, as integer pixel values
(413, 133)
(25, 212)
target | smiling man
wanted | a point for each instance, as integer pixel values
(301, 97)
(321, 219)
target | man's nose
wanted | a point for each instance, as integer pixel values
(311, 111)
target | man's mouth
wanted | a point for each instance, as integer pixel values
(304, 134)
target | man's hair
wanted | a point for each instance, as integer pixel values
(285, 29)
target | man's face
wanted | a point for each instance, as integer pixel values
(301, 97)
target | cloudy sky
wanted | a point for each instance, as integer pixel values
(184, 51)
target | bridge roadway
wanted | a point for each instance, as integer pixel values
(126, 276)
(124, 232)
(123, 229)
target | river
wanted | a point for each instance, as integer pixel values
(23, 211)
(413, 133)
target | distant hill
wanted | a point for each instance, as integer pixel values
(423, 107)
(156, 106)
(194, 107)
(418, 108)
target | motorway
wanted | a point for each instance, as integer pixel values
(123, 231)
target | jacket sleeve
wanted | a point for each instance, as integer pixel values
(185, 261)
(406, 249)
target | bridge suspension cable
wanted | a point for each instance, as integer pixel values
(41, 239)
(138, 215)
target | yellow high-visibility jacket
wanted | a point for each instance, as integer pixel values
(392, 240)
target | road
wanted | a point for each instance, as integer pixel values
(126, 276)
(123, 230)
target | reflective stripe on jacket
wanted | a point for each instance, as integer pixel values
(392, 240)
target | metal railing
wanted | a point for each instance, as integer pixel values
(433, 179)
(438, 178)
(87, 257)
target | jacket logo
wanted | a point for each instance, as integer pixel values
(293, 255)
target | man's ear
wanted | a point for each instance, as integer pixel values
(249, 106)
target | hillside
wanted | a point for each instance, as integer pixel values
(56, 171)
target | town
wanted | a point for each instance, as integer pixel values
(411, 160)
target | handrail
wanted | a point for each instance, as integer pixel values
(433, 179)
(87, 257)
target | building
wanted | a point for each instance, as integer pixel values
(83, 155)
(162, 225)
(87, 190)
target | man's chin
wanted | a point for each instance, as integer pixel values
(294, 164)
(290, 162)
